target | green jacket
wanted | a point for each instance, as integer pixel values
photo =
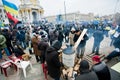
(2, 42)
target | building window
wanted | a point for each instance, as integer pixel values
(0, 11)
(4, 11)
(3, 21)
(5, 16)
(1, 16)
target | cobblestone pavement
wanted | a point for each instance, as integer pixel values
(37, 74)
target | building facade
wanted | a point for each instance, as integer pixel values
(30, 11)
(76, 16)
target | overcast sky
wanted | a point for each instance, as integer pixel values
(100, 7)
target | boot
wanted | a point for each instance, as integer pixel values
(30, 51)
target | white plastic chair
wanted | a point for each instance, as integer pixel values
(23, 65)
(20, 64)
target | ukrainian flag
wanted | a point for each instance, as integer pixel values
(10, 7)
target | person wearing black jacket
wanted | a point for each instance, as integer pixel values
(18, 51)
(8, 37)
(81, 46)
(85, 72)
(53, 62)
(116, 51)
(42, 46)
(100, 68)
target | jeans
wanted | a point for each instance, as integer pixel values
(57, 78)
(96, 47)
(6, 51)
(113, 54)
(80, 50)
(23, 44)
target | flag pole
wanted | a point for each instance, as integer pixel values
(65, 9)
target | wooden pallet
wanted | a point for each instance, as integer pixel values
(89, 57)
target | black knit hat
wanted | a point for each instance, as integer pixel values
(41, 33)
(84, 66)
(57, 45)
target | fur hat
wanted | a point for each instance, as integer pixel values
(34, 34)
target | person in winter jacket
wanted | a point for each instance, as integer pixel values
(53, 35)
(116, 51)
(52, 59)
(98, 37)
(8, 37)
(71, 36)
(35, 41)
(81, 46)
(85, 72)
(42, 46)
(100, 68)
(3, 46)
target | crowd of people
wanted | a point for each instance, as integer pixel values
(47, 40)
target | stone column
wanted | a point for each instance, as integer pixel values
(38, 15)
(22, 15)
(27, 15)
(31, 15)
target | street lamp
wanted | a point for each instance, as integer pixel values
(65, 10)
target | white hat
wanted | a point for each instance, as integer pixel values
(72, 29)
(34, 34)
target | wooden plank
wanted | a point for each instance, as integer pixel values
(79, 61)
(88, 59)
(70, 71)
(76, 68)
(90, 55)
(63, 46)
(64, 72)
(102, 55)
(79, 39)
(102, 59)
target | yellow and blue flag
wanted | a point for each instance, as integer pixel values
(10, 7)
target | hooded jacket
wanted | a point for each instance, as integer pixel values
(52, 59)
(90, 75)
(84, 71)
(42, 46)
(102, 71)
(2, 42)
